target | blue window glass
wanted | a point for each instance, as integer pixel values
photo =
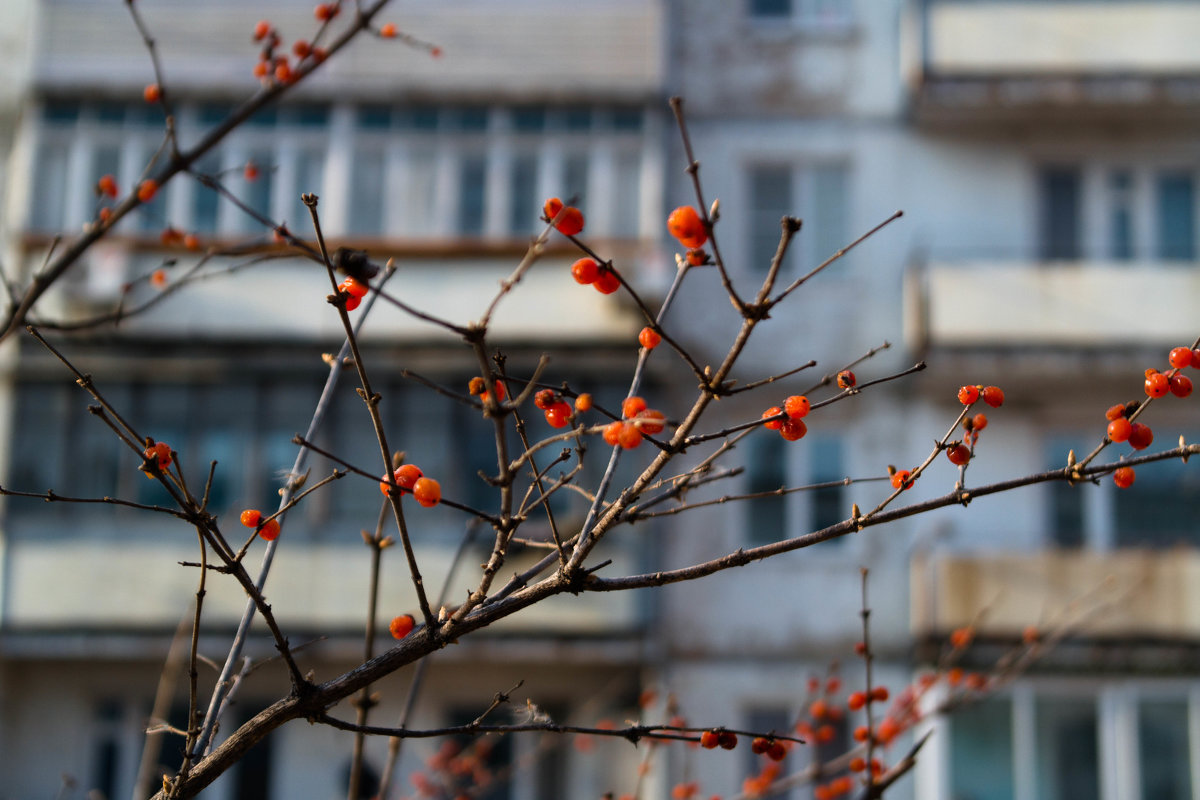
(1176, 216)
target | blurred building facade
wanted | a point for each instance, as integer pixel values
(1044, 157)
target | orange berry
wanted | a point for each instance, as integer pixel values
(301, 48)
(191, 241)
(993, 396)
(261, 29)
(629, 437)
(607, 281)
(283, 73)
(146, 190)
(856, 700)
(857, 764)
(1119, 429)
(797, 406)
(1157, 384)
(251, 517)
(354, 288)
(260, 69)
(152, 93)
(879, 694)
(158, 278)
(709, 739)
(900, 479)
(612, 432)
(388, 31)
(1031, 634)
(773, 424)
(793, 429)
(402, 626)
(476, 385)
(888, 730)
(954, 676)
(583, 403)
(1115, 412)
(325, 11)
(777, 751)
(846, 379)
(105, 214)
(979, 421)
(427, 491)
(862, 733)
(585, 271)
(632, 406)
(269, 530)
(568, 221)
(826, 734)
(649, 338)
(961, 637)
(1180, 385)
(107, 186)
(545, 398)
(1180, 357)
(250, 171)
(697, 257)
(968, 395)
(818, 710)
(1123, 477)
(684, 224)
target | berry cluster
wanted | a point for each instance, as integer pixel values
(789, 419)
(602, 277)
(253, 518)
(409, 478)
(638, 420)
(1122, 428)
(477, 386)
(726, 740)
(557, 410)
(173, 237)
(567, 220)
(277, 66)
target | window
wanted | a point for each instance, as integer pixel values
(827, 505)
(981, 754)
(806, 13)
(766, 471)
(1160, 508)
(1120, 215)
(817, 193)
(1059, 220)
(1176, 206)
(1163, 748)
(1067, 761)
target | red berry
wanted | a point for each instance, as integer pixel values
(558, 415)
(846, 379)
(612, 432)
(684, 224)
(993, 396)
(709, 740)
(260, 69)
(650, 421)
(979, 422)
(158, 278)
(727, 740)
(1196, 358)
(856, 700)
(1180, 385)
(760, 745)
(632, 406)
(427, 491)
(301, 48)
(697, 257)
(649, 338)
(959, 454)
(354, 288)
(1123, 477)
(152, 93)
(545, 398)
(405, 477)
(879, 694)
(388, 31)
(402, 626)
(1180, 357)
(1115, 412)
(774, 424)
(777, 751)
(961, 637)
(251, 517)
(146, 190)
(858, 764)
(862, 733)
(107, 186)
(583, 403)
(797, 406)
(325, 11)
(569, 219)
(968, 395)
(1119, 429)
(1140, 437)
(250, 171)
(261, 29)
(585, 271)
(270, 530)
(900, 479)
(793, 429)
(1157, 384)
(353, 302)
